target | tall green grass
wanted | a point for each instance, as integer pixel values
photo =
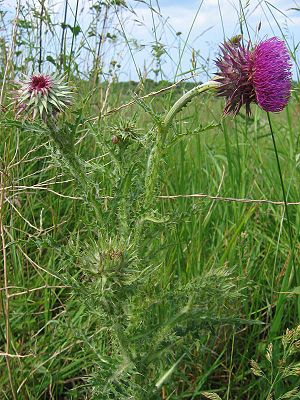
(186, 303)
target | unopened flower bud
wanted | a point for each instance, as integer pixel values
(115, 139)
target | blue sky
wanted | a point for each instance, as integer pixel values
(205, 22)
(202, 23)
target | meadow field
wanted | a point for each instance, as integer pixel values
(139, 262)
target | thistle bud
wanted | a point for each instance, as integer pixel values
(115, 139)
(43, 95)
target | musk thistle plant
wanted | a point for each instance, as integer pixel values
(261, 75)
(42, 95)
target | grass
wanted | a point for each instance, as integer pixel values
(166, 300)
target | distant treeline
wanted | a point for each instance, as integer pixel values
(150, 85)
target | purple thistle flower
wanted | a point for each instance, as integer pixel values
(43, 95)
(40, 83)
(272, 74)
(262, 75)
(235, 77)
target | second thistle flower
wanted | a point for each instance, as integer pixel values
(43, 96)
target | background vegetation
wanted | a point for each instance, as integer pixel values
(159, 297)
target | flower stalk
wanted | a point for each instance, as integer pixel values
(291, 267)
(156, 152)
(76, 169)
(185, 99)
(162, 131)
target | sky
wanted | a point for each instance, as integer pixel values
(202, 25)
(205, 23)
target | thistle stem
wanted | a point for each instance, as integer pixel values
(76, 168)
(291, 268)
(157, 150)
(150, 179)
(85, 183)
(152, 167)
(185, 99)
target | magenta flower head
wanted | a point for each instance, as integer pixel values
(261, 75)
(43, 95)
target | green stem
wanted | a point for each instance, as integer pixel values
(150, 180)
(291, 268)
(157, 150)
(152, 167)
(185, 99)
(76, 168)
(85, 183)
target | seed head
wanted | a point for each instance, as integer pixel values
(43, 95)
(261, 75)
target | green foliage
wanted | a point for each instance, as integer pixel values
(109, 291)
(146, 299)
(281, 368)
